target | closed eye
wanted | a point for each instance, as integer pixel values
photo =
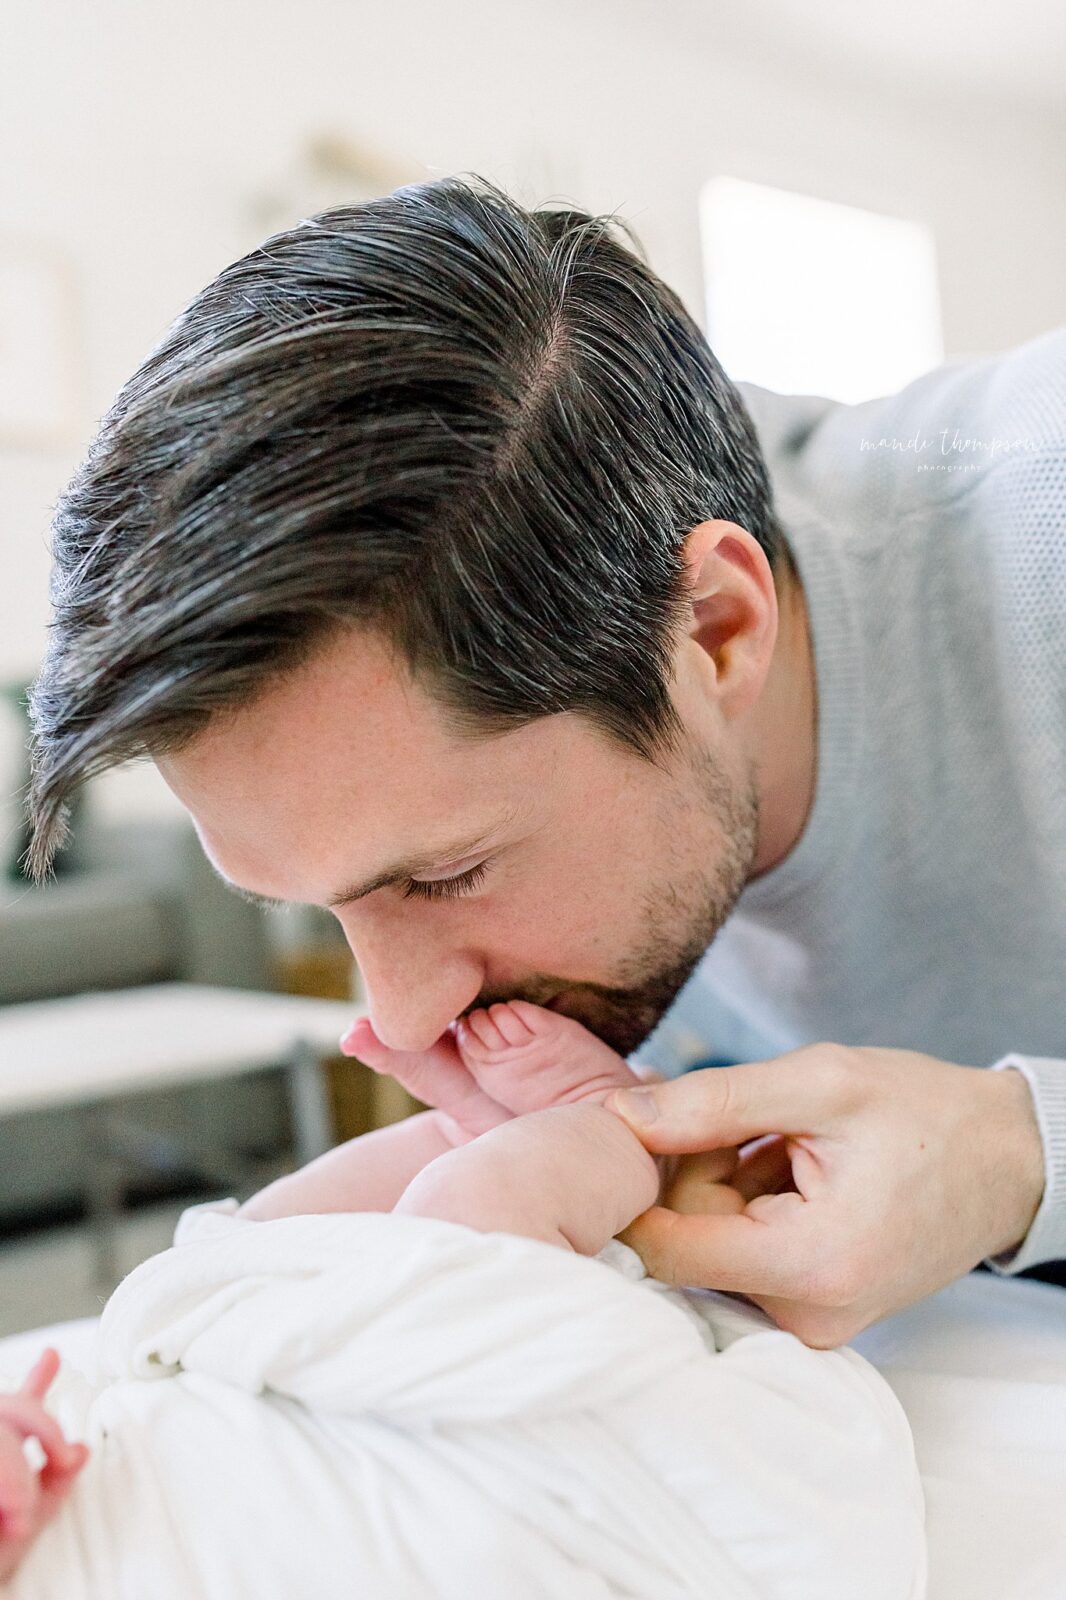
(445, 888)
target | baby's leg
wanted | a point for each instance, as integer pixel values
(371, 1172)
(515, 1055)
(572, 1175)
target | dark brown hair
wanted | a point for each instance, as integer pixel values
(481, 429)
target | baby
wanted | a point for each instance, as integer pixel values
(437, 1403)
(489, 1068)
(572, 1175)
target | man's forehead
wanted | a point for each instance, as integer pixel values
(352, 686)
(348, 721)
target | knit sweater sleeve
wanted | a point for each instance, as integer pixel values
(1028, 545)
(1046, 1239)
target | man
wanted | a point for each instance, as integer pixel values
(434, 560)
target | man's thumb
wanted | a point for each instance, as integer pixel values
(704, 1110)
(638, 1107)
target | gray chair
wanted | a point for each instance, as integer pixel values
(130, 904)
(143, 906)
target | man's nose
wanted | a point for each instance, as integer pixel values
(414, 992)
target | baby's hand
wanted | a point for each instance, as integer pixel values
(30, 1497)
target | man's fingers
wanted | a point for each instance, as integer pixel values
(705, 1199)
(750, 1253)
(696, 1180)
(804, 1091)
(764, 1168)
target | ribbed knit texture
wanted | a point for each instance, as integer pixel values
(924, 906)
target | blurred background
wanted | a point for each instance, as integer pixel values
(842, 198)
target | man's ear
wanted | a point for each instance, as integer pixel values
(734, 609)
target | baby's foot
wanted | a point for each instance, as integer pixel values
(497, 1063)
(438, 1077)
(527, 1058)
(530, 1059)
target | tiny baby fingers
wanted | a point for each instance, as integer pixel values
(57, 1474)
(40, 1376)
(27, 1418)
(696, 1182)
(763, 1168)
(18, 1488)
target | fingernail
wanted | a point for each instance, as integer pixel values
(636, 1105)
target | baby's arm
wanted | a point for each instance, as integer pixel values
(30, 1497)
(571, 1175)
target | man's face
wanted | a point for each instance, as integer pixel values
(583, 876)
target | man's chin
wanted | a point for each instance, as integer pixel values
(622, 1025)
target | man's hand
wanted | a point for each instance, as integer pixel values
(901, 1173)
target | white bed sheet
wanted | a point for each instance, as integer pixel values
(980, 1369)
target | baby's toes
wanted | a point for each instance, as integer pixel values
(528, 1058)
(362, 1042)
(496, 1031)
(478, 1035)
(511, 1021)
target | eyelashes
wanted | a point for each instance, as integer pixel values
(446, 888)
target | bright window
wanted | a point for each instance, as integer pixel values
(809, 297)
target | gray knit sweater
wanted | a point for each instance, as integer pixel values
(924, 906)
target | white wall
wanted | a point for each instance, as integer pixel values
(138, 136)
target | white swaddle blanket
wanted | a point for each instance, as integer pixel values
(400, 1407)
